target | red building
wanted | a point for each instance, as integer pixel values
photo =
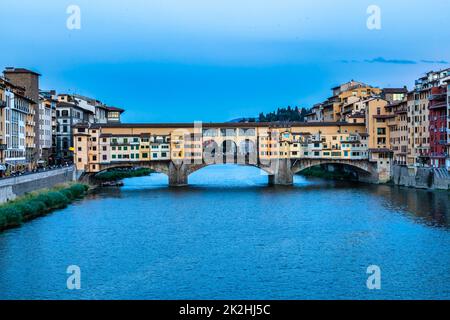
(438, 126)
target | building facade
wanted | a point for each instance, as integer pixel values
(101, 146)
(419, 116)
(398, 128)
(15, 113)
(438, 126)
(47, 112)
(28, 81)
(75, 109)
(447, 161)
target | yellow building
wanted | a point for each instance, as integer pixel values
(97, 146)
(344, 102)
(378, 130)
(418, 130)
(398, 128)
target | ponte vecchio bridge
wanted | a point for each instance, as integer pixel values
(179, 149)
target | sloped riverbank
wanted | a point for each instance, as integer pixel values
(40, 203)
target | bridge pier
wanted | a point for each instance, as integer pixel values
(283, 175)
(178, 175)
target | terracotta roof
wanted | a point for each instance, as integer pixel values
(395, 90)
(115, 109)
(72, 105)
(20, 70)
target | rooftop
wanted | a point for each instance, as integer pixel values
(395, 90)
(19, 70)
(221, 125)
(110, 108)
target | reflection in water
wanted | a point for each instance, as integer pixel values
(229, 236)
(430, 207)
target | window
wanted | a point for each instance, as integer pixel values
(145, 155)
(105, 157)
(114, 156)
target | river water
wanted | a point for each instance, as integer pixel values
(229, 236)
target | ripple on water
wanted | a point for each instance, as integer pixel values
(229, 236)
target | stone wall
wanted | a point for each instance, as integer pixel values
(422, 178)
(10, 188)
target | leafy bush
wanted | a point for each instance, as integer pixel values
(12, 214)
(39, 203)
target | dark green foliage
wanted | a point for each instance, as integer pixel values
(119, 174)
(284, 114)
(37, 204)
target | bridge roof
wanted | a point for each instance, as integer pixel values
(219, 125)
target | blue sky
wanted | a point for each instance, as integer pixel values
(215, 60)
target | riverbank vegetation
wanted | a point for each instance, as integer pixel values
(39, 203)
(119, 174)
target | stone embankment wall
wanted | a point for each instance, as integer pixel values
(422, 178)
(11, 188)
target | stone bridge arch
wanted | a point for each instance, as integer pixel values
(195, 168)
(156, 166)
(280, 171)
